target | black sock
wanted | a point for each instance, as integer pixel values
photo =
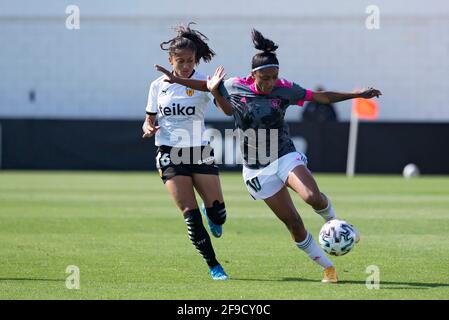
(217, 213)
(199, 236)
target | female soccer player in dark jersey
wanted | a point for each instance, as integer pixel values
(259, 102)
(185, 161)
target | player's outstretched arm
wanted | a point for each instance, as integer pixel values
(200, 85)
(213, 84)
(327, 97)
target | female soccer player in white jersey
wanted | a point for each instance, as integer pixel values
(259, 101)
(185, 161)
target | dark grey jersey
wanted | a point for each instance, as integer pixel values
(257, 110)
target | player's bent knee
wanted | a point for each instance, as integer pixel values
(217, 213)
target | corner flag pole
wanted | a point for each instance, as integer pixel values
(352, 144)
(361, 109)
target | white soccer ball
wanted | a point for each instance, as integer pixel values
(337, 237)
(411, 170)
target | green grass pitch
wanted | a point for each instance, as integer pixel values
(129, 241)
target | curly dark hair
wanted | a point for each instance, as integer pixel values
(188, 38)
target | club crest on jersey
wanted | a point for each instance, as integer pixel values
(189, 91)
(275, 103)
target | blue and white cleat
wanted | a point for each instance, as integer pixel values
(215, 229)
(218, 273)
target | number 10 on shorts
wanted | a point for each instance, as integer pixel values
(254, 184)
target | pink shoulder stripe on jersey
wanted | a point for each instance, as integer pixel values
(249, 81)
(308, 97)
(283, 83)
(244, 81)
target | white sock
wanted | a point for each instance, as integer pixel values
(327, 213)
(314, 251)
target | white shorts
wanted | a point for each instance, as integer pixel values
(265, 182)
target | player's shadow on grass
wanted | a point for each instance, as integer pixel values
(403, 285)
(30, 279)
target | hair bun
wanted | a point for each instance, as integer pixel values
(262, 43)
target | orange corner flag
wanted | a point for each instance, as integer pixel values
(365, 109)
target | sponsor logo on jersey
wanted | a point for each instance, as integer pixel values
(177, 110)
(189, 91)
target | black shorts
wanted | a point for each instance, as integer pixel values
(174, 161)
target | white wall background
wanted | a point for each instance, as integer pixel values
(104, 69)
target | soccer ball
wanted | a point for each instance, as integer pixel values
(411, 170)
(337, 237)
